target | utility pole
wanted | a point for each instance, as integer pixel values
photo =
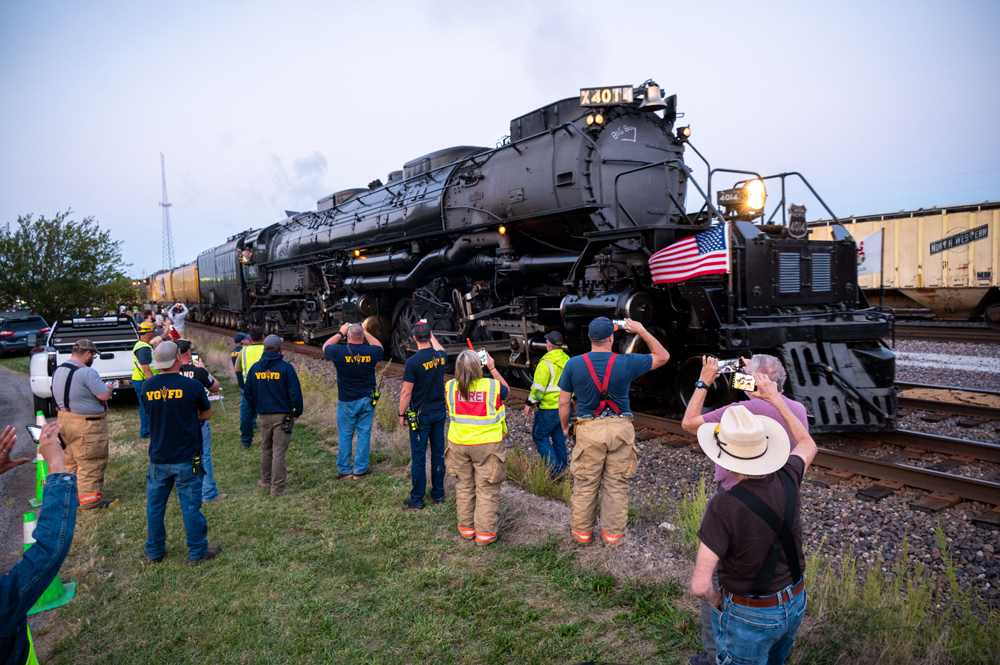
(168, 236)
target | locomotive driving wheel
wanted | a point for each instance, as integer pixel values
(719, 392)
(403, 320)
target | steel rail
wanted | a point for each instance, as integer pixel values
(945, 445)
(954, 408)
(947, 333)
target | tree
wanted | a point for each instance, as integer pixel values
(56, 265)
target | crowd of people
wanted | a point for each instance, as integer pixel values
(749, 567)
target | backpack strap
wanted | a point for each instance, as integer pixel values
(69, 380)
(602, 389)
(784, 539)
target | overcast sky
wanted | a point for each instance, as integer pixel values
(262, 107)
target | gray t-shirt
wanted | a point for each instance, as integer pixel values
(179, 317)
(83, 391)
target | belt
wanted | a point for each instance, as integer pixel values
(627, 416)
(771, 601)
(95, 417)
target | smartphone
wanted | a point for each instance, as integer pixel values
(194, 357)
(482, 356)
(743, 381)
(732, 365)
(36, 435)
(619, 324)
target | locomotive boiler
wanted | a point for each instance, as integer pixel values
(551, 228)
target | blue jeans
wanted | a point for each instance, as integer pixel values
(546, 427)
(356, 414)
(431, 429)
(143, 417)
(21, 588)
(209, 490)
(756, 635)
(248, 422)
(159, 481)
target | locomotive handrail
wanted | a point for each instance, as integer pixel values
(691, 177)
(806, 183)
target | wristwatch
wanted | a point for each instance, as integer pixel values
(701, 384)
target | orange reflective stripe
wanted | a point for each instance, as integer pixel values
(89, 498)
(467, 533)
(485, 537)
(611, 539)
(581, 536)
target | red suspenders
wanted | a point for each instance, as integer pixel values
(602, 388)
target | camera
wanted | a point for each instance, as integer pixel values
(743, 381)
(482, 357)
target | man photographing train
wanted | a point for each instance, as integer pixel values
(604, 457)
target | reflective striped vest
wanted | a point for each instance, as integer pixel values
(251, 354)
(544, 389)
(137, 373)
(479, 419)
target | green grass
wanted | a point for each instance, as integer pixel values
(689, 515)
(19, 363)
(337, 572)
(534, 476)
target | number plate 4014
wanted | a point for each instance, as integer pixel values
(606, 96)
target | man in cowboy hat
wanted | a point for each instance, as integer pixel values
(693, 419)
(753, 532)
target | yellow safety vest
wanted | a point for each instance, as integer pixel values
(479, 419)
(32, 658)
(137, 373)
(250, 355)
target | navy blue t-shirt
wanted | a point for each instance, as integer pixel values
(173, 402)
(349, 359)
(576, 379)
(425, 370)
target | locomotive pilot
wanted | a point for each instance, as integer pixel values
(604, 458)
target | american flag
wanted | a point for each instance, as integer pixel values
(706, 253)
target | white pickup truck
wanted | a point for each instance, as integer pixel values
(115, 336)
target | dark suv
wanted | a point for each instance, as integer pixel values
(15, 328)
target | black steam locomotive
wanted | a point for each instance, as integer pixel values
(552, 228)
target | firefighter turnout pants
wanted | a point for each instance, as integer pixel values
(479, 471)
(86, 439)
(603, 460)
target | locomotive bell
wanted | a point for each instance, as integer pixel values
(653, 100)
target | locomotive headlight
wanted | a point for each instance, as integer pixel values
(503, 230)
(590, 119)
(756, 194)
(599, 119)
(357, 252)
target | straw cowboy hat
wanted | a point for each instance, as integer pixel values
(745, 443)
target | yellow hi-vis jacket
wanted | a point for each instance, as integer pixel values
(544, 391)
(137, 373)
(480, 419)
(250, 355)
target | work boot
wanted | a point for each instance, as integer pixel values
(158, 559)
(261, 483)
(103, 503)
(363, 473)
(281, 492)
(212, 552)
(413, 506)
(219, 497)
(341, 476)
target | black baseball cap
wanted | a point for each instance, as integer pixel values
(183, 345)
(239, 337)
(555, 337)
(422, 331)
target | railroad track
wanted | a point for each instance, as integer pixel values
(945, 333)
(951, 400)
(972, 489)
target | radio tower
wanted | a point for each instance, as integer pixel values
(168, 236)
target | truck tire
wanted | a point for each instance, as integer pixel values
(46, 406)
